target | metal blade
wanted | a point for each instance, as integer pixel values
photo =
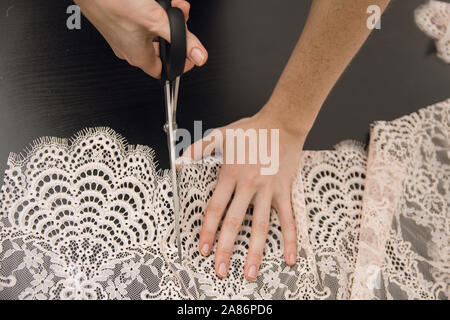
(175, 99)
(170, 127)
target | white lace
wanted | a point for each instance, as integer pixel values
(404, 239)
(91, 218)
(433, 18)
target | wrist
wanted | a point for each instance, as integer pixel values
(287, 122)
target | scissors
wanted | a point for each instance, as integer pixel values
(173, 58)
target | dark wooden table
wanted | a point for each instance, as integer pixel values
(54, 82)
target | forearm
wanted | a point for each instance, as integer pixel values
(334, 33)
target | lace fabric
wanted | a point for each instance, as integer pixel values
(91, 218)
(404, 240)
(433, 18)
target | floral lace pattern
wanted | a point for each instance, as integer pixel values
(433, 18)
(404, 240)
(91, 218)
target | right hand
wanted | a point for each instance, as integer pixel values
(132, 28)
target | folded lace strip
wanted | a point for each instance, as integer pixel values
(93, 220)
(433, 18)
(404, 241)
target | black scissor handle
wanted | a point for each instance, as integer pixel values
(173, 54)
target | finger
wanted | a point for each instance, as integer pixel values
(146, 59)
(196, 52)
(287, 221)
(159, 24)
(195, 151)
(118, 53)
(205, 147)
(197, 58)
(260, 226)
(215, 210)
(158, 21)
(156, 48)
(230, 228)
(184, 6)
(188, 66)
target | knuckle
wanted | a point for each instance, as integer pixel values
(133, 62)
(155, 18)
(268, 190)
(276, 204)
(154, 74)
(215, 208)
(223, 252)
(282, 194)
(260, 227)
(207, 234)
(284, 189)
(252, 181)
(290, 239)
(187, 4)
(117, 53)
(290, 230)
(284, 207)
(232, 171)
(233, 223)
(254, 256)
(292, 245)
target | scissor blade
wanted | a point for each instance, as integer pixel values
(171, 141)
(176, 87)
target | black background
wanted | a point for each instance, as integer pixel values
(54, 82)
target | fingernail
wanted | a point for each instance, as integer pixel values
(292, 258)
(223, 270)
(252, 272)
(197, 56)
(205, 249)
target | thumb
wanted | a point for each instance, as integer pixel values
(208, 146)
(196, 52)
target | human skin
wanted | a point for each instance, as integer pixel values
(334, 32)
(133, 27)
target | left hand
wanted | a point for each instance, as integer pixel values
(250, 187)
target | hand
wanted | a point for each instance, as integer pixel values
(132, 28)
(250, 187)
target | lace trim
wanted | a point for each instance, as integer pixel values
(403, 249)
(91, 218)
(433, 18)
